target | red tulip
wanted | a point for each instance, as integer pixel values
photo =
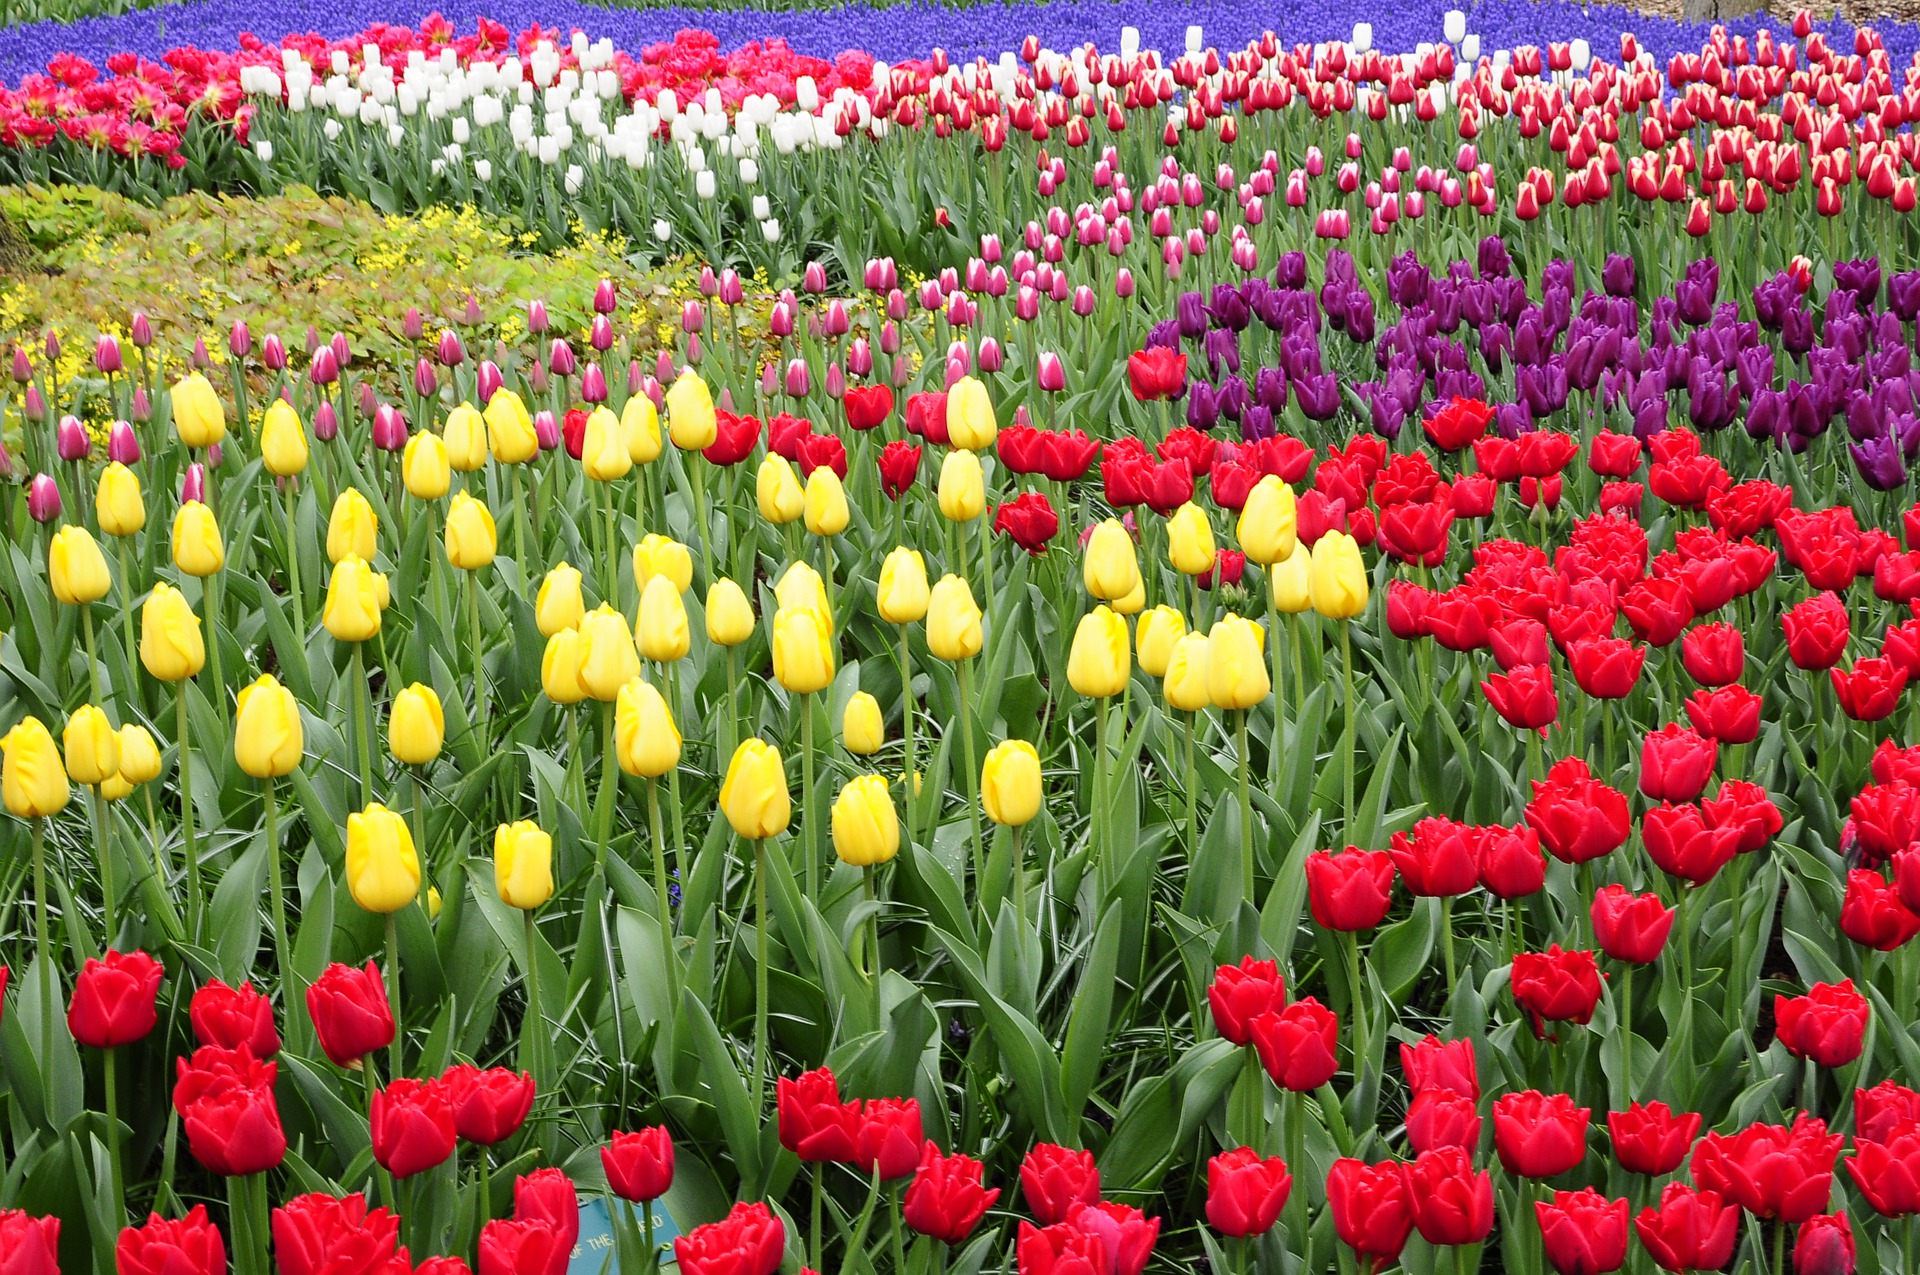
(1690, 1231)
(113, 1000)
(1058, 1249)
(441, 1266)
(1240, 993)
(1555, 985)
(1018, 447)
(1440, 858)
(412, 1127)
(188, 1246)
(1297, 1044)
(1442, 1118)
(1055, 1181)
(1886, 821)
(1873, 913)
(1432, 1063)
(1730, 715)
(350, 1012)
(1539, 1135)
(1416, 531)
(548, 1196)
(1578, 817)
(1879, 1112)
(1746, 808)
(1658, 610)
(519, 1246)
(1473, 496)
(1887, 1170)
(1372, 1207)
(1771, 1171)
(234, 1016)
(1066, 455)
(1630, 927)
(1870, 691)
(1351, 890)
(1606, 668)
(1029, 521)
(639, 1165)
(734, 438)
(319, 1235)
(946, 1199)
(488, 1106)
(1824, 1246)
(1827, 1025)
(1524, 697)
(1681, 844)
(1459, 422)
(1816, 631)
(1675, 763)
(899, 463)
(1451, 1203)
(1511, 865)
(31, 1244)
(233, 1122)
(1584, 1232)
(1125, 1233)
(1614, 455)
(814, 1124)
(823, 451)
(867, 406)
(750, 1240)
(889, 1137)
(1245, 1193)
(1650, 1138)
(1156, 373)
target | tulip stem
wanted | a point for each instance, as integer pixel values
(603, 496)
(1097, 821)
(760, 975)
(809, 847)
(212, 592)
(697, 476)
(395, 1063)
(293, 568)
(521, 508)
(93, 661)
(290, 996)
(660, 899)
(1279, 697)
(817, 1171)
(485, 1191)
(362, 745)
(118, 1176)
(479, 666)
(262, 1224)
(1346, 726)
(1246, 809)
(1446, 943)
(873, 947)
(908, 788)
(126, 623)
(536, 1022)
(195, 904)
(608, 786)
(97, 815)
(1193, 794)
(1355, 978)
(1779, 1248)
(973, 786)
(899, 1240)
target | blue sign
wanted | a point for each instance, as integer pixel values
(593, 1252)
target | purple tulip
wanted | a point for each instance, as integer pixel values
(537, 378)
(605, 299)
(32, 406)
(732, 292)
(451, 353)
(560, 359)
(51, 346)
(1617, 275)
(813, 280)
(273, 353)
(834, 382)
(389, 428)
(656, 393)
(488, 381)
(425, 383)
(769, 380)
(663, 368)
(472, 317)
(106, 354)
(694, 350)
(593, 384)
(193, 484)
(123, 445)
(413, 325)
(693, 316)
(546, 430)
(71, 439)
(600, 335)
(239, 337)
(326, 425)
(325, 369)
(860, 357)
(1879, 460)
(798, 382)
(43, 498)
(902, 372)
(22, 365)
(635, 378)
(142, 408)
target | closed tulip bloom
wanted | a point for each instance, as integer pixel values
(1349, 891)
(970, 419)
(645, 738)
(691, 421)
(1630, 927)
(1245, 1193)
(953, 620)
(383, 869)
(76, 568)
(639, 1165)
(658, 555)
(778, 491)
(1190, 547)
(197, 415)
(1826, 1026)
(1556, 985)
(470, 535)
(352, 528)
(510, 434)
(1372, 1207)
(425, 466)
(465, 435)
(640, 422)
(117, 501)
(189, 1246)
(417, 727)
(1188, 684)
(729, 614)
(1583, 1232)
(91, 746)
(522, 864)
(558, 604)
(412, 1129)
(139, 755)
(663, 632)
(197, 549)
(754, 797)
(1539, 1135)
(113, 1000)
(352, 612)
(1451, 1203)
(1101, 658)
(267, 736)
(610, 659)
(1339, 577)
(962, 490)
(1267, 530)
(866, 829)
(946, 1200)
(283, 440)
(1109, 567)
(170, 643)
(350, 1011)
(603, 448)
(1154, 635)
(803, 649)
(560, 666)
(1651, 1139)
(1291, 580)
(1691, 1230)
(1236, 669)
(1010, 783)
(826, 503)
(1296, 1044)
(903, 595)
(862, 730)
(1056, 1182)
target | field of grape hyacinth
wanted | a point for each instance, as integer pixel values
(1121, 647)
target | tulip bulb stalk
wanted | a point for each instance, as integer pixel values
(196, 905)
(117, 1173)
(1246, 806)
(396, 1067)
(362, 698)
(696, 474)
(973, 785)
(42, 942)
(93, 661)
(1279, 696)
(126, 625)
(293, 562)
(211, 598)
(667, 956)
(809, 846)
(294, 994)
(1346, 727)
(760, 1059)
(97, 815)
(609, 785)
(521, 508)
(907, 784)
(479, 665)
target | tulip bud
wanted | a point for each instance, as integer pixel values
(117, 501)
(416, 727)
(558, 604)
(71, 439)
(43, 498)
(424, 466)
(1154, 636)
(76, 568)
(283, 443)
(754, 796)
(91, 746)
(353, 528)
(825, 503)
(522, 865)
(197, 548)
(778, 491)
(866, 827)
(171, 647)
(1100, 660)
(352, 612)
(33, 782)
(470, 537)
(962, 488)
(662, 632)
(646, 740)
(382, 867)
(863, 732)
(609, 658)
(267, 734)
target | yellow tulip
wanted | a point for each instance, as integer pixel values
(560, 667)
(139, 755)
(826, 503)
(802, 649)
(691, 422)
(801, 586)
(1101, 659)
(1190, 540)
(115, 787)
(729, 614)
(1154, 634)
(352, 528)
(466, 438)
(778, 491)
(197, 415)
(510, 435)
(433, 904)
(352, 612)
(1292, 581)
(645, 738)
(608, 657)
(1267, 527)
(1186, 684)
(383, 870)
(76, 568)
(196, 540)
(522, 865)
(426, 467)
(121, 508)
(603, 448)
(1339, 576)
(171, 647)
(267, 735)
(641, 423)
(662, 634)
(1133, 603)
(862, 730)
(558, 604)
(1010, 783)
(471, 541)
(1110, 568)
(754, 795)
(866, 828)
(903, 592)
(953, 620)
(91, 746)
(417, 726)
(33, 783)
(963, 489)
(1236, 666)
(283, 440)
(970, 419)
(658, 555)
